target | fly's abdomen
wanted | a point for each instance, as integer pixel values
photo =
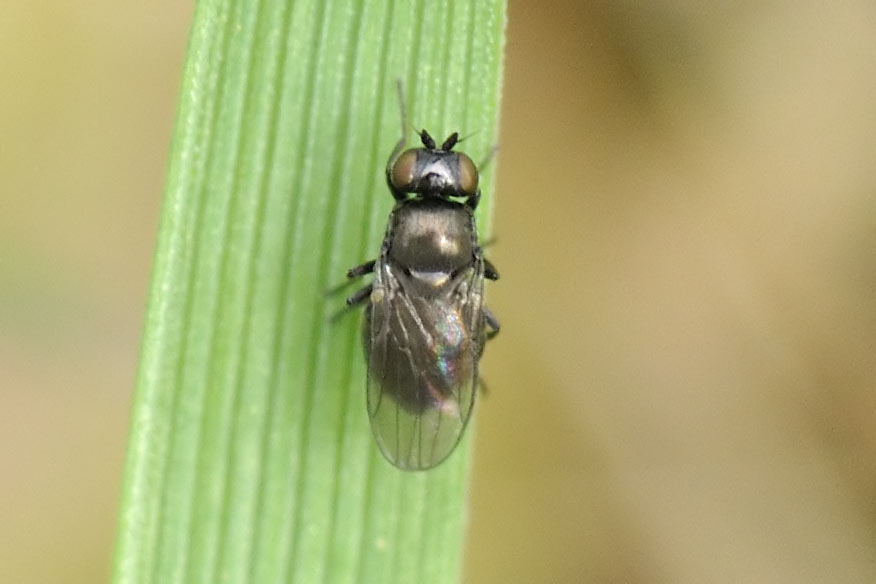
(422, 367)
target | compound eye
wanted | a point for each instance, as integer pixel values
(403, 170)
(468, 175)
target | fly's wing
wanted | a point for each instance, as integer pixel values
(423, 370)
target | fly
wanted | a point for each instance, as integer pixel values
(425, 320)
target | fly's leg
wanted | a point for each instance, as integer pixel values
(490, 272)
(472, 201)
(354, 272)
(492, 323)
(360, 295)
(361, 270)
(492, 330)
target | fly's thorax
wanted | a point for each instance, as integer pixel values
(432, 239)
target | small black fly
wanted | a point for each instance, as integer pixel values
(425, 322)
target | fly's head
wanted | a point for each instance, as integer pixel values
(433, 171)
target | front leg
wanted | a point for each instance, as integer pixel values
(361, 269)
(490, 272)
(362, 294)
(472, 201)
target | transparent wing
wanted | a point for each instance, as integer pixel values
(423, 370)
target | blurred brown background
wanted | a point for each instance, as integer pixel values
(683, 390)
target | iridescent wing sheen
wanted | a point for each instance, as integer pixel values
(422, 366)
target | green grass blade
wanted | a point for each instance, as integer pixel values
(250, 457)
